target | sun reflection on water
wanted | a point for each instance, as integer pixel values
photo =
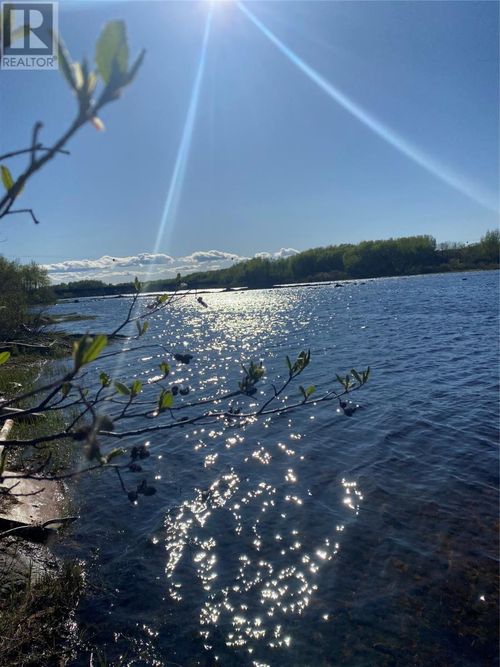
(261, 572)
(242, 551)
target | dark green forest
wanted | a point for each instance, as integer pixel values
(21, 286)
(369, 259)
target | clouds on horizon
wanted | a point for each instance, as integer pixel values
(149, 266)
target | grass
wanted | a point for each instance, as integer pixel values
(20, 374)
(36, 626)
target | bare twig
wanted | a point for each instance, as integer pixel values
(34, 140)
(38, 147)
(22, 210)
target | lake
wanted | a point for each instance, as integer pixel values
(311, 538)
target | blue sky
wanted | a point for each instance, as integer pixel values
(274, 162)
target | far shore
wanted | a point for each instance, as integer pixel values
(130, 290)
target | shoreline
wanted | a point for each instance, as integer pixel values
(38, 589)
(216, 289)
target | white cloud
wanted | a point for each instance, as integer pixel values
(107, 262)
(210, 255)
(149, 266)
(280, 254)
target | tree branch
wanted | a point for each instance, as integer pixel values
(38, 147)
(23, 210)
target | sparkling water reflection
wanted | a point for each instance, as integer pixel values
(275, 576)
(311, 538)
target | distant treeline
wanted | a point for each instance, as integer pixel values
(21, 286)
(369, 259)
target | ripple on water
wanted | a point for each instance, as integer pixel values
(368, 540)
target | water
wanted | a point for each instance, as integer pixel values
(310, 538)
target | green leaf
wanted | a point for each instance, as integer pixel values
(356, 376)
(7, 179)
(255, 373)
(91, 82)
(165, 400)
(137, 284)
(93, 348)
(341, 380)
(104, 379)
(66, 388)
(165, 368)
(141, 328)
(122, 388)
(64, 62)
(4, 356)
(79, 349)
(135, 68)
(84, 68)
(119, 451)
(300, 363)
(135, 388)
(307, 392)
(112, 51)
(78, 75)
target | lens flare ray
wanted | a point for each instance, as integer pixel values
(179, 171)
(178, 174)
(442, 172)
